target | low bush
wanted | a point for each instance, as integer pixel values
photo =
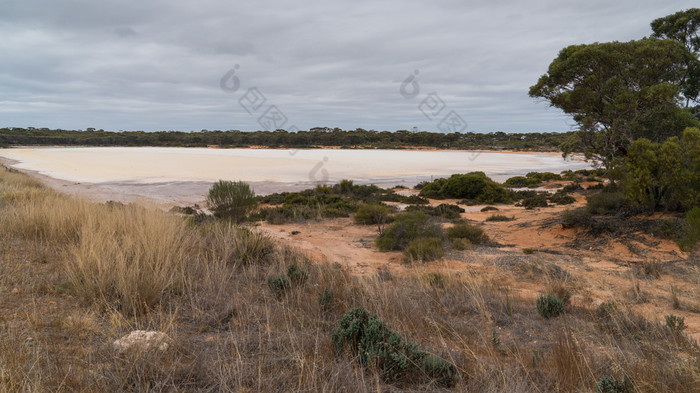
(521, 182)
(369, 339)
(297, 275)
(575, 218)
(459, 243)
(373, 214)
(535, 201)
(472, 186)
(406, 227)
(549, 305)
(424, 249)
(489, 208)
(528, 251)
(561, 198)
(464, 230)
(605, 203)
(444, 210)
(543, 176)
(499, 217)
(279, 285)
(231, 200)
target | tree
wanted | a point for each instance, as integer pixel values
(231, 200)
(684, 27)
(618, 92)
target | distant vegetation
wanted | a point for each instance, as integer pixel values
(316, 137)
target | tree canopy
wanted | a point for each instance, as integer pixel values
(684, 27)
(618, 92)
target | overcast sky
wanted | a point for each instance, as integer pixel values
(158, 65)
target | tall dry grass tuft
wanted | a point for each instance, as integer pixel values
(129, 257)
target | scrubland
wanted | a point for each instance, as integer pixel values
(75, 276)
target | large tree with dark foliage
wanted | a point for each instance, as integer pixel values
(684, 27)
(618, 92)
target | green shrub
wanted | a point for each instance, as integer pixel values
(464, 230)
(369, 339)
(231, 200)
(675, 323)
(279, 285)
(521, 182)
(611, 385)
(473, 186)
(605, 310)
(561, 198)
(605, 202)
(535, 201)
(549, 305)
(296, 275)
(575, 218)
(499, 217)
(489, 208)
(528, 251)
(543, 176)
(373, 214)
(423, 249)
(461, 243)
(406, 227)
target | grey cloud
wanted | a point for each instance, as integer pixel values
(156, 65)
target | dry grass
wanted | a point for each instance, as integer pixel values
(75, 276)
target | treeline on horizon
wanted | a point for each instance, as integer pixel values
(315, 137)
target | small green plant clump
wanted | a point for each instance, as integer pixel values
(549, 305)
(464, 230)
(424, 249)
(281, 284)
(611, 385)
(528, 251)
(297, 275)
(489, 208)
(397, 360)
(675, 323)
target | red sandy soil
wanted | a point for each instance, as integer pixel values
(606, 270)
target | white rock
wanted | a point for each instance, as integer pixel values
(143, 340)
